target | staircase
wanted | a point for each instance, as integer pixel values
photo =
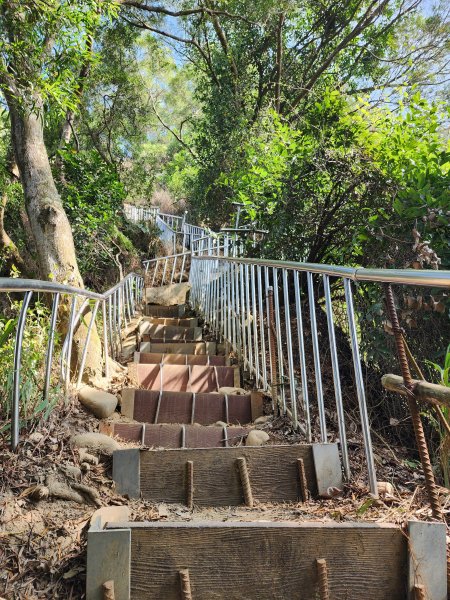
(194, 440)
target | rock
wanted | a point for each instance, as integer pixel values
(256, 437)
(229, 391)
(220, 424)
(86, 458)
(262, 420)
(98, 443)
(385, 488)
(99, 403)
(168, 295)
(35, 437)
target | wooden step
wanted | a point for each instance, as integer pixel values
(169, 333)
(173, 322)
(214, 477)
(184, 407)
(181, 347)
(176, 436)
(264, 561)
(153, 358)
(182, 378)
(155, 310)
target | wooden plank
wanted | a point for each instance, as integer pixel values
(272, 470)
(270, 561)
(427, 392)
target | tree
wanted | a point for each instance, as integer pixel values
(44, 45)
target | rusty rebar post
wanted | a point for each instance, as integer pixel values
(273, 351)
(419, 592)
(413, 407)
(322, 576)
(185, 584)
(304, 492)
(190, 484)
(245, 480)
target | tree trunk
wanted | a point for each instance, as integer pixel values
(49, 223)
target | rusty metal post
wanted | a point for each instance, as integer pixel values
(245, 480)
(302, 480)
(185, 583)
(322, 576)
(273, 351)
(422, 446)
(190, 484)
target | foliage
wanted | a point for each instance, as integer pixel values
(93, 198)
(349, 184)
(32, 406)
(444, 445)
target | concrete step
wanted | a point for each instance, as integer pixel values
(153, 358)
(184, 407)
(239, 560)
(215, 477)
(167, 435)
(155, 310)
(173, 322)
(169, 333)
(180, 347)
(182, 378)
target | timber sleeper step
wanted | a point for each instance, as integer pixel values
(149, 406)
(155, 310)
(169, 333)
(182, 378)
(179, 347)
(172, 321)
(214, 477)
(266, 561)
(167, 435)
(154, 358)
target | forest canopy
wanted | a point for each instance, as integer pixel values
(327, 121)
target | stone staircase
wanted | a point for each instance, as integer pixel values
(194, 440)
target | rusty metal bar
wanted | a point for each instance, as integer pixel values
(322, 576)
(245, 480)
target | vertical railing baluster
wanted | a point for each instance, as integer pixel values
(301, 350)
(269, 324)
(243, 331)
(262, 336)
(15, 409)
(50, 346)
(287, 318)
(70, 341)
(255, 325)
(360, 388)
(336, 377)
(250, 341)
(86, 341)
(279, 340)
(105, 339)
(316, 353)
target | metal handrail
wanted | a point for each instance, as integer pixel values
(118, 306)
(430, 278)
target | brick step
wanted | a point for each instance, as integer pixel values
(169, 333)
(166, 435)
(183, 407)
(266, 560)
(213, 476)
(155, 310)
(182, 378)
(173, 322)
(153, 358)
(180, 347)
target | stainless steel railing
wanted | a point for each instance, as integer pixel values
(118, 305)
(260, 308)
